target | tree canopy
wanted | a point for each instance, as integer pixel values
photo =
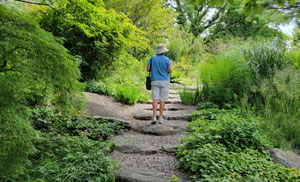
(151, 16)
(227, 18)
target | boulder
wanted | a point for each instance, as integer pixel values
(286, 158)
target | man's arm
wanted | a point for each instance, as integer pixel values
(169, 69)
(148, 68)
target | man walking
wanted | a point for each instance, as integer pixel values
(160, 67)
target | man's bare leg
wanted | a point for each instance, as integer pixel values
(161, 109)
(154, 108)
(161, 112)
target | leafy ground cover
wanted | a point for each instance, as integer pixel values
(69, 149)
(228, 146)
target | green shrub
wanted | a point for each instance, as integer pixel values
(208, 114)
(263, 59)
(98, 87)
(224, 77)
(127, 79)
(185, 45)
(206, 105)
(16, 140)
(65, 158)
(213, 162)
(176, 75)
(94, 128)
(229, 148)
(281, 96)
(46, 120)
(67, 149)
(43, 118)
(229, 129)
(190, 97)
(129, 95)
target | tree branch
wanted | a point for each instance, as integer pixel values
(213, 20)
(30, 2)
(4, 64)
(7, 69)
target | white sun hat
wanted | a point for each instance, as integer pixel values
(161, 48)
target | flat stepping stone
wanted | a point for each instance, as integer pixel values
(169, 107)
(168, 102)
(189, 87)
(172, 115)
(171, 149)
(133, 149)
(185, 117)
(132, 174)
(173, 92)
(173, 96)
(160, 129)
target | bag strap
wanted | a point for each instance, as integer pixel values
(150, 66)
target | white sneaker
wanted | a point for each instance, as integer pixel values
(153, 120)
(161, 120)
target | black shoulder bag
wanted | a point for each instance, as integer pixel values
(148, 78)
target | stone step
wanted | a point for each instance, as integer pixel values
(189, 87)
(147, 168)
(174, 96)
(134, 142)
(160, 129)
(145, 149)
(171, 91)
(136, 149)
(168, 115)
(175, 101)
(168, 107)
(135, 138)
(132, 174)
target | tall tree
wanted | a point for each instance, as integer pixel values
(198, 17)
(236, 23)
(34, 69)
(248, 5)
(227, 19)
(151, 16)
(94, 35)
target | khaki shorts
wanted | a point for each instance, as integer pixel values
(160, 90)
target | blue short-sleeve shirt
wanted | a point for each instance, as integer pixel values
(159, 67)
